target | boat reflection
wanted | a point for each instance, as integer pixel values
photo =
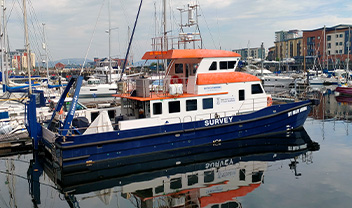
(204, 176)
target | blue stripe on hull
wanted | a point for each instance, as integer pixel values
(87, 148)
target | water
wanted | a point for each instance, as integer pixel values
(307, 168)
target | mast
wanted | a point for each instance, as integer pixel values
(324, 47)
(110, 67)
(165, 46)
(46, 53)
(27, 46)
(3, 43)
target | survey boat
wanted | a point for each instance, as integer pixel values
(206, 175)
(204, 100)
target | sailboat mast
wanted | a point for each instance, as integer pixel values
(3, 43)
(46, 53)
(110, 67)
(165, 48)
(27, 46)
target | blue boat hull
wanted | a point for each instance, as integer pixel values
(93, 148)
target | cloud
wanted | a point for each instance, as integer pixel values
(230, 23)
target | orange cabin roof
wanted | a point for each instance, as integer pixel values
(225, 77)
(188, 53)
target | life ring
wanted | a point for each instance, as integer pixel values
(269, 101)
(175, 80)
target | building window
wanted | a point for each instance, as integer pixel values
(328, 52)
(318, 37)
(328, 38)
(337, 43)
(191, 105)
(340, 51)
(174, 107)
(213, 66)
(257, 89)
(337, 35)
(329, 45)
(241, 95)
(336, 51)
(340, 43)
(207, 103)
(341, 35)
(157, 108)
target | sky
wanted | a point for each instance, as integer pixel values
(77, 29)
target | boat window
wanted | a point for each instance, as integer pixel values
(242, 174)
(194, 68)
(192, 179)
(231, 64)
(230, 205)
(174, 107)
(213, 66)
(176, 183)
(223, 64)
(257, 176)
(207, 103)
(256, 89)
(191, 105)
(159, 189)
(241, 95)
(93, 89)
(215, 206)
(157, 108)
(178, 68)
(208, 176)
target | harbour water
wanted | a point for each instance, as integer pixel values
(305, 168)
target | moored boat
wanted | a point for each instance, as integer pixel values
(204, 100)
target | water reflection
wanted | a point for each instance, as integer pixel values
(332, 106)
(205, 176)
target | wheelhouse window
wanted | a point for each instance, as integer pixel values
(178, 68)
(241, 95)
(227, 64)
(213, 66)
(207, 103)
(257, 89)
(231, 64)
(157, 108)
(223, 64)
(174, 107)
(191, 105)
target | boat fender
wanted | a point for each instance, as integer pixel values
(175, 80)
(61, 111)
(269, 101)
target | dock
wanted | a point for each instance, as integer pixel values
(15, 144)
